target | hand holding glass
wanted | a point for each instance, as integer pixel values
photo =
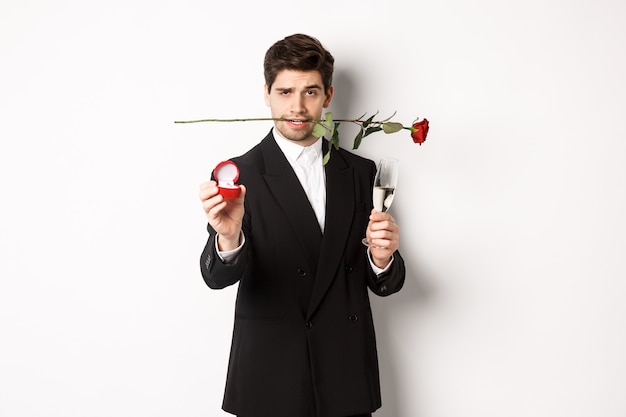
(384, 186)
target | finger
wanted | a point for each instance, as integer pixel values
(384, 225)
(242, 195)
(214, 205)
(378, 216)
(207, 184)
(389, 242)
(380, 252)
(383, 235)
(207, 190)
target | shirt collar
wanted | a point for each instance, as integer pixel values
(292, 150)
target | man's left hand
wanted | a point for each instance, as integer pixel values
(383, 234)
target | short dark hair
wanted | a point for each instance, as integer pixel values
(301, 53)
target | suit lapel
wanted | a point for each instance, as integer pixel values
(340, 201)
(324, 252)
(288, 193)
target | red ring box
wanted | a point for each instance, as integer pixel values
(226, 174)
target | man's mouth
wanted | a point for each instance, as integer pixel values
(297, 121)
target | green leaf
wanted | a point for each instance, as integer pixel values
(319, 130)
(369, 120)
(371, 130)
(392, 127)
(326, 157)
(357, 139)
(329, 119)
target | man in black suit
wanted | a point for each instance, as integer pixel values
(303, 340)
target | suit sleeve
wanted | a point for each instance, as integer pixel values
(217, 274)
(390, 281)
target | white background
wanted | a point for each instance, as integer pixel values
(512, 212)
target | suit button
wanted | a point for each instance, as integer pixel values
(348, 268)
(301, 272)
(353, 318)
(309, 325)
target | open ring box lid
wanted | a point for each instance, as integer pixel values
(226, 173)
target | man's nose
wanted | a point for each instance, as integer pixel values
(297, 105)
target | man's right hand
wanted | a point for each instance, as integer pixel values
(225, 215)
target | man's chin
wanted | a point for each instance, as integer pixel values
(296, 135)
(298, 138)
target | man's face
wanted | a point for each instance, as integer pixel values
(297, 96)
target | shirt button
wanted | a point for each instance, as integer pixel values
(308, 325)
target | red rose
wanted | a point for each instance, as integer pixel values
(419, 131)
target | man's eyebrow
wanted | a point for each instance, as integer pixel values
(308, 87)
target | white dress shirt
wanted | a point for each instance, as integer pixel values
(307, 164)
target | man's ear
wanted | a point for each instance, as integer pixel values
(266, 94)
(329, 96)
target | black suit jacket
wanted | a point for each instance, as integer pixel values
(303, 339)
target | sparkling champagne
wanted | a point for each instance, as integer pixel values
(382, 198)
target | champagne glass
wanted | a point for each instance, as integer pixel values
(384, 186)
